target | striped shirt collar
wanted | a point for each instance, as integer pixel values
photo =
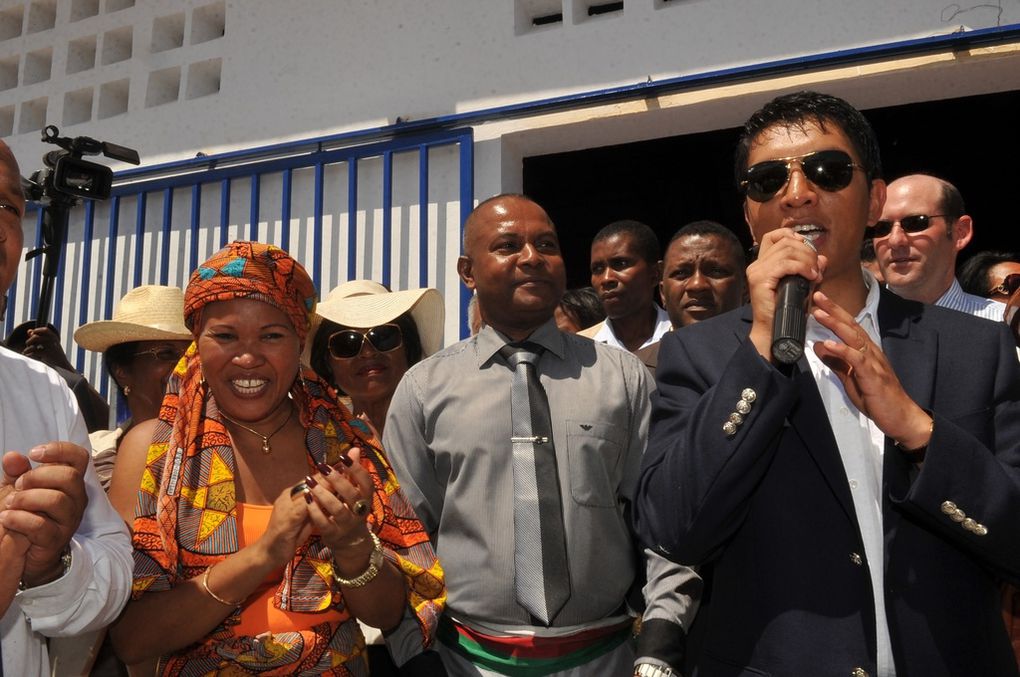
(957, 299)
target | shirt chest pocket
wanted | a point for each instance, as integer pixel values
(594, 453)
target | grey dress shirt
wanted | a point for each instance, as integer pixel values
(448, 438)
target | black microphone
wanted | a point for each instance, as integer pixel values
(789, 324)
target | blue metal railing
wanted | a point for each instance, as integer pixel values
(104, 265)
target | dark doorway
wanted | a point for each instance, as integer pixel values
(973, 142)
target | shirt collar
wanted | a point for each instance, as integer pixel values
(489, 341)
(952, 295)
(870, 309)
(867, 317)
(607, 334)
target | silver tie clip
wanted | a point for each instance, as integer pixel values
(535, 439)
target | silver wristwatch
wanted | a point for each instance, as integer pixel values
(649, 670)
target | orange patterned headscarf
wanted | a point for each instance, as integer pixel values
(252, 270)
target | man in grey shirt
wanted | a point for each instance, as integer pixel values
(448, 435)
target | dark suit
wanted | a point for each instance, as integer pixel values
(770, 506)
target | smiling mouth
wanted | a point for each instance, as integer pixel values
(249, 386)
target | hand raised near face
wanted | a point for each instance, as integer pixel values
(867, 377)
(47, 504)
(43, 344)
(781, 252)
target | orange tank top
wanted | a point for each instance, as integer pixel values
(259, 615)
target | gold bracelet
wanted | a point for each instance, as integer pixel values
(375, 564)
(205, 586)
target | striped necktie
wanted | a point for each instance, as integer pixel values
(542, 579)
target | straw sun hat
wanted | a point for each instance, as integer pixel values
(147, 313)
(363, 304)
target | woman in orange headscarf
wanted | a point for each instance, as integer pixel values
(268, 521)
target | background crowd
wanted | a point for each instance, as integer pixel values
(615, 480)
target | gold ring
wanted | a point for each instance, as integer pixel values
(360, 507)
(299, 488)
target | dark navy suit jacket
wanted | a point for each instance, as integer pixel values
(769, 508)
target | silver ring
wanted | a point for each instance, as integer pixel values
(299, 488)
(360, 507)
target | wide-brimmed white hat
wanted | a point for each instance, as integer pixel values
(148, 313)
(363, 304)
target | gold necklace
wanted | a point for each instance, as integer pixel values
(266, 447)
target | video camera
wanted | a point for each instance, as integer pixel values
(67, 176)
(66, 180)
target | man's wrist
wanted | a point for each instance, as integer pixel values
(917, 442)
(57, 570)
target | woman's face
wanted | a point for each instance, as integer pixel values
(147, 374)
(370, 375)
(250, 354)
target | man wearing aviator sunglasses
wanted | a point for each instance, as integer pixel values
(845, 506)
(922, 231)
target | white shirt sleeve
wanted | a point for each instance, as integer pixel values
(36, 407)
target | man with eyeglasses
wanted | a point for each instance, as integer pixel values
(855, 507)
(519, 449)
(922, 230)
(65, 554)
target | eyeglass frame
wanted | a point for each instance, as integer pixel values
(364, 337)
(1002, 287)
(799, 159)
(154, 352)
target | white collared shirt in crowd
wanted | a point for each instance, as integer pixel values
(36, 407)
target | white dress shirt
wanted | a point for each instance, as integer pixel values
(37, 407)
(603, 331)
(861, 447)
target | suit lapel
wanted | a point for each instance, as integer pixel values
(810, 422)
(912, 351)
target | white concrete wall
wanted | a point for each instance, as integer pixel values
(285, 70)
